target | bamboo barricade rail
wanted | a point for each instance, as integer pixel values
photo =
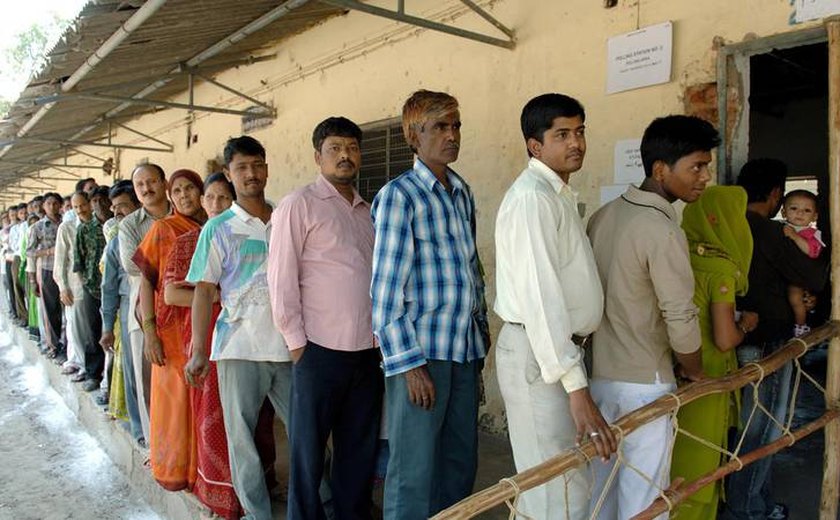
(685, 490)
(506, 489)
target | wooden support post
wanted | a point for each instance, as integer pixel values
(831, 461)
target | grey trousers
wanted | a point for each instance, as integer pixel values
(434, 453)
(243, 386)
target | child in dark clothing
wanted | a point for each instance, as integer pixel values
(800, 213)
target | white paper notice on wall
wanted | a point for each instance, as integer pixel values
(639, 58)
(612, 192)
(628, 162)
(805, 10)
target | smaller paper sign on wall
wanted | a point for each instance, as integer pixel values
(628, 162)
(639, 58)
(805, 10)
(612, 192)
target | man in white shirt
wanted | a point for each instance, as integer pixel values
(9, 255)
(549, 295)
(69, 292)
(15, 234)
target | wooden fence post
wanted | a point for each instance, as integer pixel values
(831, 461)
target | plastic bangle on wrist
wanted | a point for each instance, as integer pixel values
(149, 323)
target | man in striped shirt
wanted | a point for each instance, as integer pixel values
(429, 316)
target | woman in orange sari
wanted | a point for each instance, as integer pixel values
(172, 439)
(213, 486)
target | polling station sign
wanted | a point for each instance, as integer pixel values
(640, 58)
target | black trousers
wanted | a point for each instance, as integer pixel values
(94, 355)
(10, 289)
(52, 303)
(339, 393)
(19, 291)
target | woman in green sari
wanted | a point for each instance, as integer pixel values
(720, 245)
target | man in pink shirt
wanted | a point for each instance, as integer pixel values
(319, 272)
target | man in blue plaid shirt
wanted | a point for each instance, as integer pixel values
(429, 316)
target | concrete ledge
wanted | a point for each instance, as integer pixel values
(495, 459)
(113, 438)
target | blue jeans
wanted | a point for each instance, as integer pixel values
(128, 371)
(748, 491)
(433, 453)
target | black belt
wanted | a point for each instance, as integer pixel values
(581, 341)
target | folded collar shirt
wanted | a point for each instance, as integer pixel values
(65, 243)
(649, 311)
(42, 236)
(319, 268)
(427, 290)
(90, 244)
(232, 252)
(546, 278)
(132, 229)
(14, 237)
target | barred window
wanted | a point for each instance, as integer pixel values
(385, 155)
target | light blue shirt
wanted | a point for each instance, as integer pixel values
(114, 284)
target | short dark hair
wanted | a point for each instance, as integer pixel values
(759, 177)
(21, 206)
(243, 145)
(335, 127)
(101, 191)
(805, 194)
(38, 198)
(80, 185)
(215, 177)
(68, 197)
(123, 187)
(670, 138)
(539, 114)
(82, 193)
(53, 195)
(155, 167)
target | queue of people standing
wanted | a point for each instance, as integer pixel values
(200, 310)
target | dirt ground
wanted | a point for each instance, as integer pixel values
(50, 468)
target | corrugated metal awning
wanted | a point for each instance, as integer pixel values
(178, 32)
(123, 58)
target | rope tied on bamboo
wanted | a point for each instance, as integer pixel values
(704, 442)
(513, 506)
(748, 376)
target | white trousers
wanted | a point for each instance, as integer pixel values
(540, 426)
(75, 352)
(105, 384)
(648, 449)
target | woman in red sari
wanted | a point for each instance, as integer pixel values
(213, 485)
(172, 449)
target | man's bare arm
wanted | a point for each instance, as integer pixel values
(691, 365)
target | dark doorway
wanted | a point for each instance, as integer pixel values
(789, 115)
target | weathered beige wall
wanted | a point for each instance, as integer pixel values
(364, 67)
